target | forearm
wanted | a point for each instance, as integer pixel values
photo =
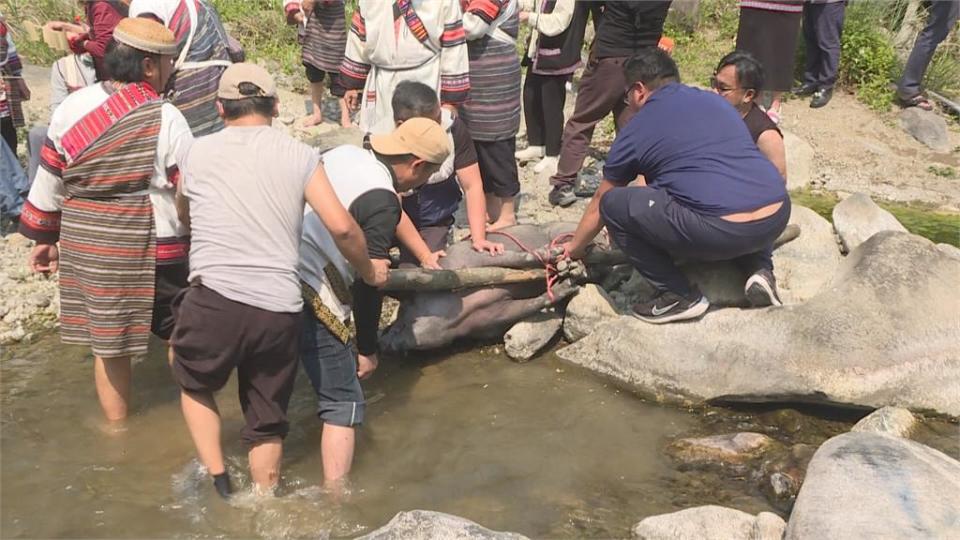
(353, 245)
(367, 306)
(476, 202)
(591, 223)
(410, 238)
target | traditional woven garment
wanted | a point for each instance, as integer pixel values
(418, 40)
(10, 71)
(195, 80)
(100, 194)
(493, 111)
(324, 38)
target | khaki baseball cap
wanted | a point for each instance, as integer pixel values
(243, 72)
(421, 137)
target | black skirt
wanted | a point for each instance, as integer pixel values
(771, 36)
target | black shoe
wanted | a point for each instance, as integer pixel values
(562, 196)
(821, 97)
(805, 89)
(761, 289)
(669, 307)
(221, 482)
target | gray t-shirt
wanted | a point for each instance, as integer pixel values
(245, 187)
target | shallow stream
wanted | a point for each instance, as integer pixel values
(543, 448)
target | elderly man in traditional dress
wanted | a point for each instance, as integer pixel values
(418, 40)
(203, 55)
(106, 192)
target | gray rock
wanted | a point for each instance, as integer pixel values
(952, 251)
(727, 448)
(804, 266)
(867, 485)
(888, 420)
(527, 338)
(884, 331)
(39, 300)
(710, 523)
(684, 14)
(857, 218)
(800, 161)
(586, 311)
(926, 127)
(427, 525)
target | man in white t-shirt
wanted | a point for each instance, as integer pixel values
(243, 192)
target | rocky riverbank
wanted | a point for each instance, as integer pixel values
(31, 302)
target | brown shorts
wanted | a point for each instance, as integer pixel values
(214, 334)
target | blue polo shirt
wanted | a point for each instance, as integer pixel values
(694, 145)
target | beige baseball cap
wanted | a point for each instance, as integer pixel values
(146, 35)
(237, 74)
(421, 137)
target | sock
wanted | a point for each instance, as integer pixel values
(222, 484)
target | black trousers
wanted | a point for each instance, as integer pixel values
(822, 29)
(543, 99)
(652, 228)
(9, 133)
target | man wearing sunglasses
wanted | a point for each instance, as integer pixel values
(708, 193)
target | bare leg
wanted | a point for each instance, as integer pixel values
(264, 460)
(316, 94)
(345, 114)
(507, 217)
(336, 450)
(112, 378)
(493, 207)
(203, 420)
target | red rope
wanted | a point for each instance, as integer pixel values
(551, 270)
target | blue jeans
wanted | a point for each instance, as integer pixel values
(942, 17)
(14, 184)
(331, 366)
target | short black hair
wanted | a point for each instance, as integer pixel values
(259, 105)
(749, 70)
(412, 99)
(652, 67)
(124, 63)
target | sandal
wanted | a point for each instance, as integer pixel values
(916, 101)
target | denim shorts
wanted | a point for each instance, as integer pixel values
(331, 366)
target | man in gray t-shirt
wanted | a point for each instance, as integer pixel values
(243, 192)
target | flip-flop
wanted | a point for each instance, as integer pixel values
(916, 101)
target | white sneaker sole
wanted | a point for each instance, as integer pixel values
(759, 292)
(695, 311)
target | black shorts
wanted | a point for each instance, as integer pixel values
(498, 167)
(170, 280)
(316, 75)
(214, 335)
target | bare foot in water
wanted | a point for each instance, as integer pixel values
(312, 120)
(501, 224)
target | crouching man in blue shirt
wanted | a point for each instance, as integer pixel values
(709, 193)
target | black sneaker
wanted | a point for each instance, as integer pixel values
(805, 89)
(761, 289)
(562, 196)
(821, 97)
(668, 307)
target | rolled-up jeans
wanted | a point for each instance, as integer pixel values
(331, 366)
(652, 229)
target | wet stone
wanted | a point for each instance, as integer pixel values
(887, 420)
(732, 448)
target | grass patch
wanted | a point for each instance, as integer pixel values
(918, 218)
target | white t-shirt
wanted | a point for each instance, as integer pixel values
(245, 187)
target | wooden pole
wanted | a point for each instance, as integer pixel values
(418, 279)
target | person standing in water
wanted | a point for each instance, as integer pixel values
(105, 193)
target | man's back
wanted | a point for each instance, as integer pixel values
(245, 186)
(693, 144)
(628, 26)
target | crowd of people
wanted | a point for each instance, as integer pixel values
(169, 205)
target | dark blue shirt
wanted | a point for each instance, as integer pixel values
(694, 145)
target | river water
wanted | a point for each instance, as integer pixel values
(543, 448)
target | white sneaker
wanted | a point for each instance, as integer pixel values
(548, 163)
(529, 153)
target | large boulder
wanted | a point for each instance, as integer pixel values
(427, 525)
(800, 161)
(867, 485)
(530, 336)
(590, 307)
(884, 331)
(804, 266)
(926, 127)
(710, 523)
(857, 218)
